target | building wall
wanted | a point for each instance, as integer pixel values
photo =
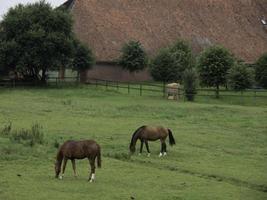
(116, 73)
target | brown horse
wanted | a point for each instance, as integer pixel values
(78, 150)
(147, 133)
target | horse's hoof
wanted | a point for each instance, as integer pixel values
(160, 154)
(148, 155)
(139, 154)
(165, 154)
(60, 177)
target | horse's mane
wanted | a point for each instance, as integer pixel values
(137, 131)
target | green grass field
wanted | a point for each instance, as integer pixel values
(220, 152)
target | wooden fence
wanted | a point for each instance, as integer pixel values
(138, 88)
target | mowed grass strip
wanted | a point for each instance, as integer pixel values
(220, 150)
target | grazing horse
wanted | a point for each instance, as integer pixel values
(78, 150)
(147, 133)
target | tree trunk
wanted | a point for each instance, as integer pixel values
(61, 74)
(217, 92)
(83, 76)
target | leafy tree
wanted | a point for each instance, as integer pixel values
(240, 77)
(35, 38)
(163, 67)
(213, 65)
(133, 57)
(190, 82)
(170, 63)
(83, 59)
(183, 58)
(261, 70)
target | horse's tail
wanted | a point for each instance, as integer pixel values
(171, 138)
(98, 156)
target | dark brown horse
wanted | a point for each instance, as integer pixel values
(72, 150)
(148, 133)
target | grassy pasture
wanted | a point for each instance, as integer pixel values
(221, 150)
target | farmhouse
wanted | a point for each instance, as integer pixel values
(105, 25)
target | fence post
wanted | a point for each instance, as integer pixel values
(140, 89)
(128, 88)
(164, 89)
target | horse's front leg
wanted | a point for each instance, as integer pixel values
(63, 167)
(92, 174)
(74, 167)
(147, 148)
(141, 147)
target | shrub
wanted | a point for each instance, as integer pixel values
(6, 130)
(183, 58)
(261, 71)
(213, 65)
(170, 63)
(28, 136)
(163, 67)
(133, 57)
(240, 77)
(190, 82)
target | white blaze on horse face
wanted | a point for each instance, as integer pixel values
(160, 154)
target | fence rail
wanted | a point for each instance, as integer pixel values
(140, 88)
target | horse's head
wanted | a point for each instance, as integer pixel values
(132, 148)
(57, 168)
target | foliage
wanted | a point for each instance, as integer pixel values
(133, 57)
(163, 67)
(35, 38)
(183, 58)
(6, 130)
(170, 63)
(190, 82)
(261, 71)
(83, 57)
(240, 77)
(213, 65)
(29, 136)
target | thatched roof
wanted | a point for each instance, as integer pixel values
(105, 25)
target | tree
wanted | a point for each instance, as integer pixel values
(190, 82)
(133, 57)
(162, 67)
(170, 63)
(35, 38)
(240, 77)
(83, 59)
(213, 65)
(183, 58)
(261, 71)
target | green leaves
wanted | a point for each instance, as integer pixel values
(213, 65)
(261, 71)
(170, 63)
(240, 77)
(133, 57)
(36, 38)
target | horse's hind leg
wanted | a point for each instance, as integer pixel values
(64, 167)
(147, 148)
(74, 167)
(92, 174)
(164, 148)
